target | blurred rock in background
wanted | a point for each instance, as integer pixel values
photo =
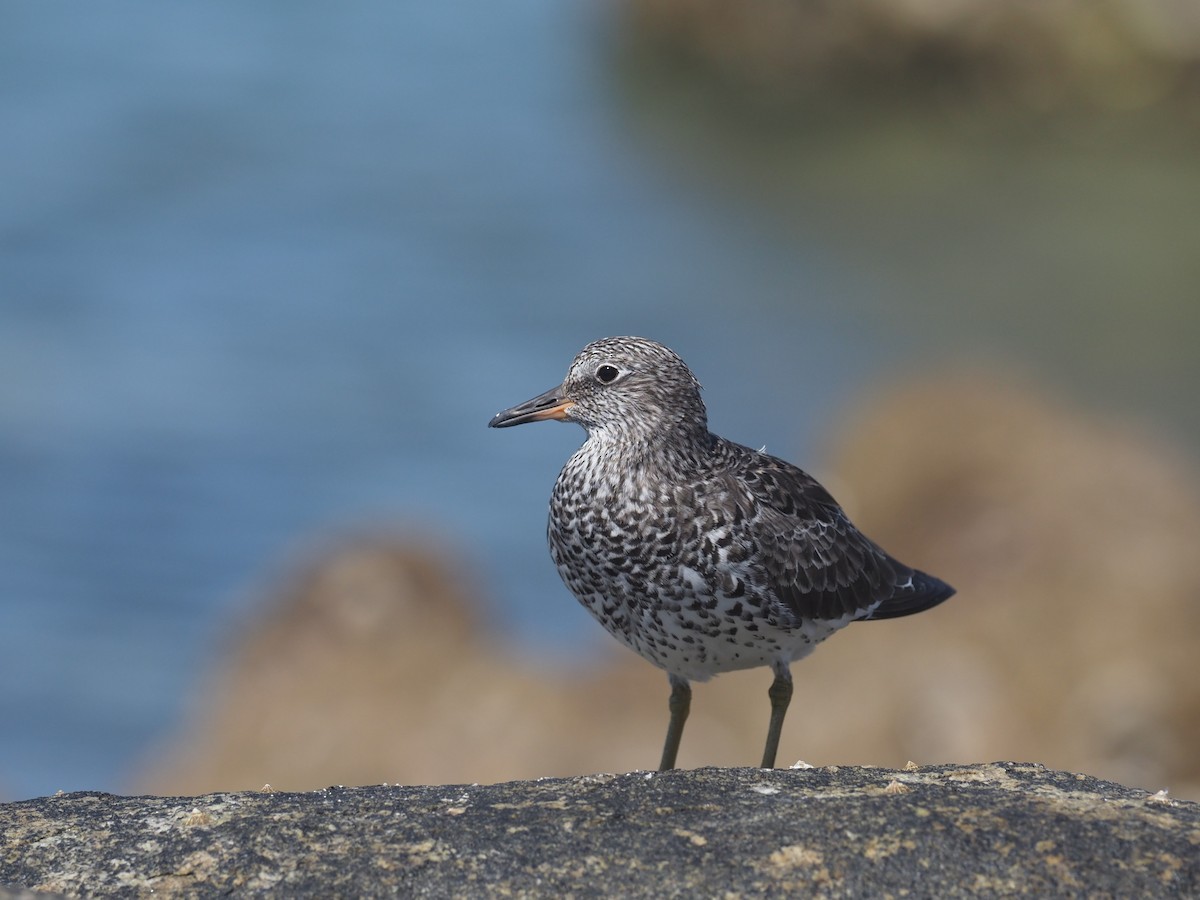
(1071, 641)
(375, 665)
(1117, 54)
(1071, 540)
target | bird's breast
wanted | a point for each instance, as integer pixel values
(612, 528)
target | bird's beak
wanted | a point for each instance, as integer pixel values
(550, 405)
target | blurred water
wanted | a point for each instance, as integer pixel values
(265, 273)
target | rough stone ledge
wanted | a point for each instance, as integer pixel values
(947, 830)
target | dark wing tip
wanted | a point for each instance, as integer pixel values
(913, 595)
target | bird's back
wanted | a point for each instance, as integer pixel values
(815, 561)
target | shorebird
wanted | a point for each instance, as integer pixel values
(700, 554)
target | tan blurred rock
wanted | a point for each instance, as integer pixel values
(1120, 54)
(1072, 641)
(373, 666)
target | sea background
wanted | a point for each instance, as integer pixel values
(267, 270)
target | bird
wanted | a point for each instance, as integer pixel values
(700, 554)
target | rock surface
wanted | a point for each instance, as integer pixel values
(1002, 828)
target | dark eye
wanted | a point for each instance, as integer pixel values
(607, 374)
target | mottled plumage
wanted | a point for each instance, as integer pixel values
(702, 555)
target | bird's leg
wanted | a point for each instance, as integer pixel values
(679, 704)
(780, 693)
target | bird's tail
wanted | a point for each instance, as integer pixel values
(915, 592)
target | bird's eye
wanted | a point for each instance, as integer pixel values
(607, 374)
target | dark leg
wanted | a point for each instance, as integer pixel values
(780, 693)
(679, 704)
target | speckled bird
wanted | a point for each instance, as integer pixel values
(701, 555)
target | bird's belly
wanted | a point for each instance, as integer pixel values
(668, 614)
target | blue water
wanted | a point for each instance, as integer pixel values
(267, 270)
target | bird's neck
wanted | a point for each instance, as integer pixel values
(671, 449)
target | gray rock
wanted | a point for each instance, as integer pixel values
(1003, 828)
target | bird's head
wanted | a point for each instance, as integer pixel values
(626, 387)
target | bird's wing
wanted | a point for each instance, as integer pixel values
(815, 562)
